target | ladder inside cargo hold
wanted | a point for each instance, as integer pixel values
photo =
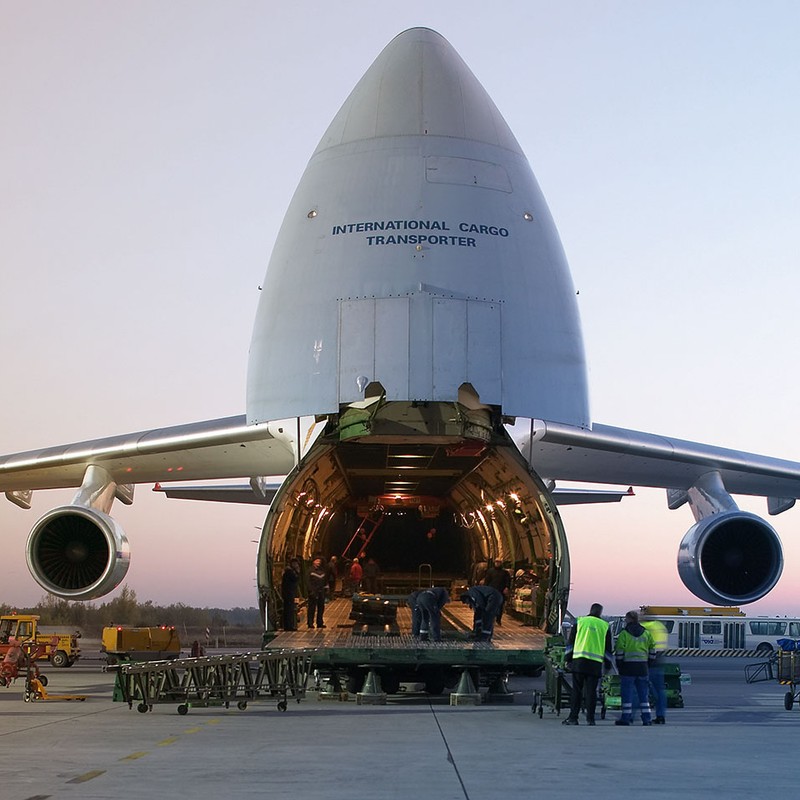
(216, 680)
(361, 538)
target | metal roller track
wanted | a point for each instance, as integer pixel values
(216, 680)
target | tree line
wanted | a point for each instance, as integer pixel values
(125, 609)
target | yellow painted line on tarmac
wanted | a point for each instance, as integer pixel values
(213, 721)
(165, 742)
(134, 756)
(87, 776)
(193, 730)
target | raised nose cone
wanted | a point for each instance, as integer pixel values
(419, 85)
(418, 252)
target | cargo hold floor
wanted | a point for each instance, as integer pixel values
(513, 635)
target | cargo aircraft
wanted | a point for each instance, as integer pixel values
(424, 390)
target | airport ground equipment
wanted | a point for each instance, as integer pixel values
(343, 657)
(761, 670)
(556, 694)
(35, 683)
(215, 680)
(21, 656)
(789, 670)
(62, 652)
(611, 697)
(128, 643)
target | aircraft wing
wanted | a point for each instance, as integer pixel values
(606, 454)
(220, 448)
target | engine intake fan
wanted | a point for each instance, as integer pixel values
(77, 553)
(731, 558)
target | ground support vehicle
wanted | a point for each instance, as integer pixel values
(63, 651)
(789, 672)
(558, 687)
(215, 680)
(127, 643)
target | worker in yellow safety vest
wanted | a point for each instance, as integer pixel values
(659, 633)
(634, 651)
(587, 654)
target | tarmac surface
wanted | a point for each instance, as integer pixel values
(730, 738)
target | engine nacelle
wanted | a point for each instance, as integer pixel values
(77, 553)
(731, 558)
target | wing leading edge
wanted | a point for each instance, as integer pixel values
(213, 449)
(606, 454)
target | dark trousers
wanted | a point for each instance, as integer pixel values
(584, 689)
(316, 603)
(431, 617)
(289, 617)
(659, 690)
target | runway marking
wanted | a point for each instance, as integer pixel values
(165, 742)
(134, 756)
(87, 776)
(193, 730)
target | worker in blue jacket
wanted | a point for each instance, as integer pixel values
(634, 651)
(426, 612)
(486, 603)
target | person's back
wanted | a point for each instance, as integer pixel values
(660, 636)
(588, 650)
(498, 578)
(290, 581)
(633, 651)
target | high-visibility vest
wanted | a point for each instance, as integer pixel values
(634, 649)
(590, 639)
(658, 632)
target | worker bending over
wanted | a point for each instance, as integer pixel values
(426, 612)
(486, 602)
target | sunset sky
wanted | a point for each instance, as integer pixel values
(148, 151)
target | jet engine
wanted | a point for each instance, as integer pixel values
(77, 553)
(730, 558)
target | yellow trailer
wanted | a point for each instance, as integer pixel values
(126, 643)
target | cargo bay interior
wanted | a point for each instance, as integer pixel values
(431, 492)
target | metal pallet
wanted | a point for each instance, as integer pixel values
(216, 680)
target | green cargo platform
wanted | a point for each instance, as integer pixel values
(348, 650)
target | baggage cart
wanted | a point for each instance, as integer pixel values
(556, 694)
(611, 698)
(789, 675)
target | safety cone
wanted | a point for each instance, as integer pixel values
(465, 693)
(371, 693)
